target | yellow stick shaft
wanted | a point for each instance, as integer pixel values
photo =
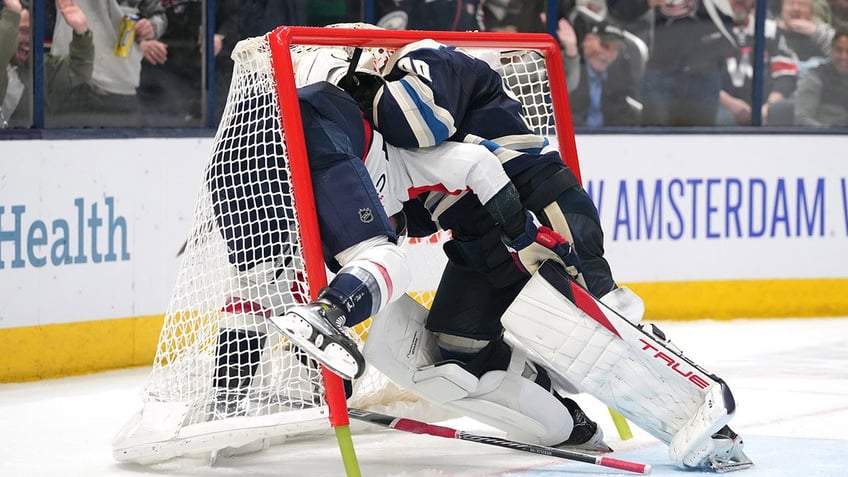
(621, 425)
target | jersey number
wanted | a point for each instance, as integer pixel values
(417, 67)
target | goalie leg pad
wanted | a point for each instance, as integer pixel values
(402, 349)
(506, 400)
(602, 353)
(625, 303)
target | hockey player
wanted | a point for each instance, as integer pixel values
(432, 93)
(361, 248)
(255, 215)
(463, 171)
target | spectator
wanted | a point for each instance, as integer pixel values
(171, 85)
(261, 16)
(822, 96)
(325, 12)
(62, 73)
(439, 15)
(110, 98)
(839, 10)
(582, 15)
(683, 75)
(525, 16)
(604, 91)
(808, 35)
(737, 84)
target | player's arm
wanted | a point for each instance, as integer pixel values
(454, 167)
(421, 98)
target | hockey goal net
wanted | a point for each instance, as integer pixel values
(222, 379)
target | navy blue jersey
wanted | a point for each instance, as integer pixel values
(250, 189)
(435, 93)
(337, 141)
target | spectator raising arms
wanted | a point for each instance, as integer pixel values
(62, 73)
(822, 96)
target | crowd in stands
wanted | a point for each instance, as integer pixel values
(628, 62)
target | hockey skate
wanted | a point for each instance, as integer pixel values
(586, 435)
(721, 453)
(317, 329)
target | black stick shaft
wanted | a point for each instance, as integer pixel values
(419, 427)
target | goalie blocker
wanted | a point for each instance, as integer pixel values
(632, 368)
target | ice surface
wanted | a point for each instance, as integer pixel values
(789, 377)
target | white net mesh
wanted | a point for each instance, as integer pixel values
(216, 358)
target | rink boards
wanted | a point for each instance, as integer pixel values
(701, 226)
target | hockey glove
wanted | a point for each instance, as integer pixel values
(538, 243)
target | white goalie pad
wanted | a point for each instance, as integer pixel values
(584, 342)
(625, 303)
(401, 348)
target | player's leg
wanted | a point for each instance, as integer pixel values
(574, 216)
(359, 289)
(574, 212)
(511, 392)
(245, 187)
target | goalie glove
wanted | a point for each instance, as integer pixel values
(538, 243)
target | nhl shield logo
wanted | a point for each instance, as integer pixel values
(365, 216)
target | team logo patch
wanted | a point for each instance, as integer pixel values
(365, 216)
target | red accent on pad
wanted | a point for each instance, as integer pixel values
(549, 237)
(237, 305)
(386, 278)
(587, 304)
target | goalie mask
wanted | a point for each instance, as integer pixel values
(326, 64)
(333, 64)
(312, 64)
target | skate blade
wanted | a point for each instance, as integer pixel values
(595, 444)
(334, 356)
(722, 467)
(589, 447)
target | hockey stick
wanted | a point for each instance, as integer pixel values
(419, 427)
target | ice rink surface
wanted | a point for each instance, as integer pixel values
(789, 377)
